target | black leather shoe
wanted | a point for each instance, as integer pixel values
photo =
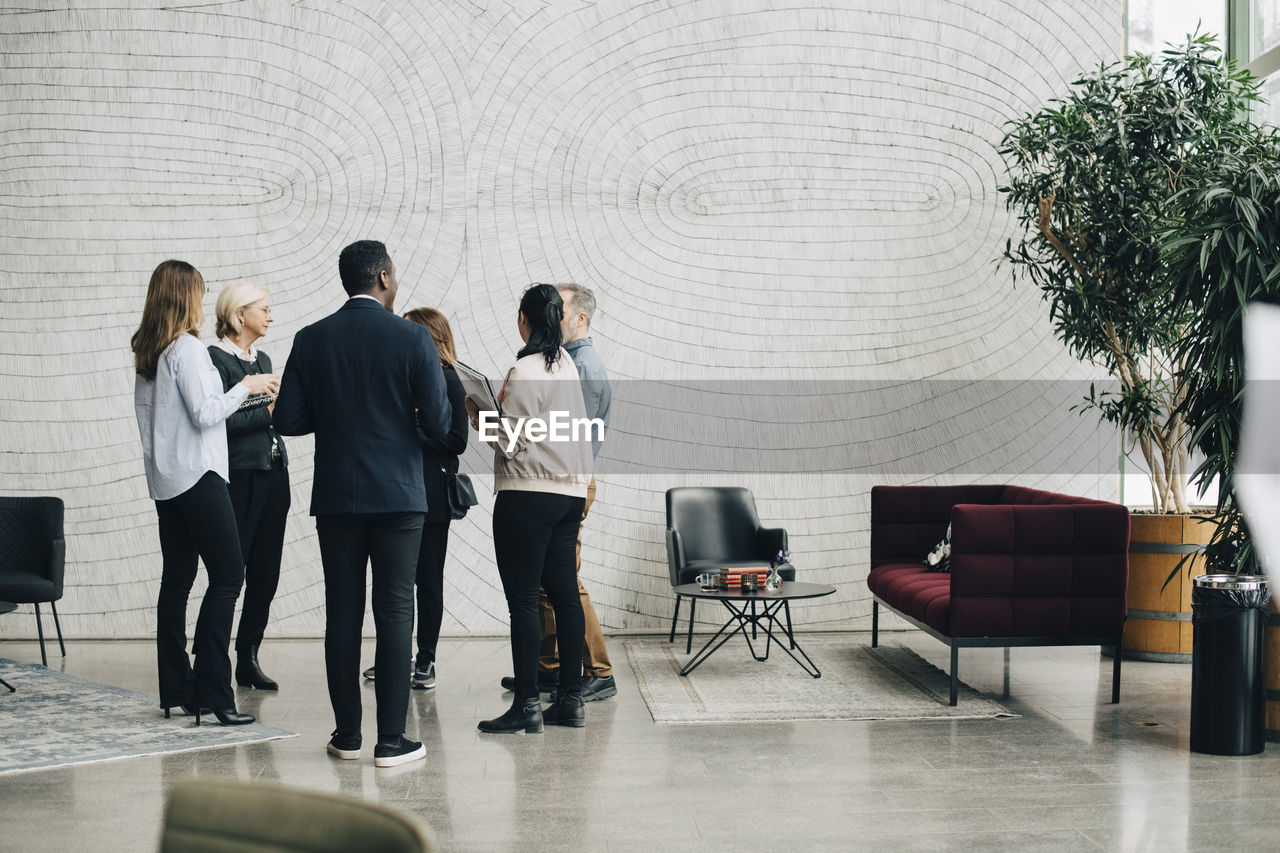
(249, 673)
(523, 715)
(567, 710)
(547, 681)
(229, 717)
(594, 689)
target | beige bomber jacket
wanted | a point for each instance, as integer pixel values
(521, 461)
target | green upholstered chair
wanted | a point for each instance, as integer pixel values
(232, 816)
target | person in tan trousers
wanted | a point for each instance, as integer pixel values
(597, 675)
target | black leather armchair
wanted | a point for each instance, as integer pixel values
(32, 553)
(714, 527)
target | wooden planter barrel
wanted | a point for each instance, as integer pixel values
(1159, 624)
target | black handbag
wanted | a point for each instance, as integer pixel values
(460, 494)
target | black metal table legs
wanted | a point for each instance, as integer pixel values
(766, 619)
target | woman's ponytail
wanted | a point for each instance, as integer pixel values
(553, 314)
(543, 309)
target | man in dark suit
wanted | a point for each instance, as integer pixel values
(356, 379)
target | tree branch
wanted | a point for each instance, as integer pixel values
(1045, 206)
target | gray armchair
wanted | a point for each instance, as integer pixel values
(714, 527)
(32, 553)
(233, 816)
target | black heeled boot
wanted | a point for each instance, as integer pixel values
(249, 673)
(228, 716)
(524, 714)
(567, 709)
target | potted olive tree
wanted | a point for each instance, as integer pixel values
(1101, 182)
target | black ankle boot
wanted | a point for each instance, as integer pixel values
(567, 709)
(227, 716)
(523, 715)
(249, 674)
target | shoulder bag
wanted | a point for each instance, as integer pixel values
(460, 494)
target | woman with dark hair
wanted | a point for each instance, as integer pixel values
(259, 469)
(181, 409)
(439, 456)
(541, 485)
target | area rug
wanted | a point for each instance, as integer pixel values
(857, 683)
(56, 719)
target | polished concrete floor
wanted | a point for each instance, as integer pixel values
(1072, 773)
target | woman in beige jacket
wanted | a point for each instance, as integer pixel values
(542, 465)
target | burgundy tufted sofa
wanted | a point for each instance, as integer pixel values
(1028, 567)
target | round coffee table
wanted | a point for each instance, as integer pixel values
(758, 609)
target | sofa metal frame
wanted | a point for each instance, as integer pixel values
(958, 643)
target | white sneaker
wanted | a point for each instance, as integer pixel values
(344, 746)
(401, 752)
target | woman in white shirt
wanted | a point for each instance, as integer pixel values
(542, 486)
(181, 409)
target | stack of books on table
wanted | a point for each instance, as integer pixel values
(735, 576)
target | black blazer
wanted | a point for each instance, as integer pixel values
(441, 454)
(249, 431)
(354, 379)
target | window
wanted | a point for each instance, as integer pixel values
(1255, 44)
(1269, 111)
(1154, 23)
(1264, 27)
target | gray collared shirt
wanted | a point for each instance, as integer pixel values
(595, 385)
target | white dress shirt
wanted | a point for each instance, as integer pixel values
(228, 346)
(181, 417)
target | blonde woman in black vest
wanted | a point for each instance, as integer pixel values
(259, 469)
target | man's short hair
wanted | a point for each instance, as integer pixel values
(583, 298)
(360, 265)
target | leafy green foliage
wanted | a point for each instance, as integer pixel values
(1225, 256)
(1101, 183)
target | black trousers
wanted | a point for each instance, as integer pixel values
(535, 536)
(198, 524)
(435, 544)
(348, 544)
(261, 502)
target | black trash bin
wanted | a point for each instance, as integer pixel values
(1227, 675)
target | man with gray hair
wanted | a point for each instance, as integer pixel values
(597, 675)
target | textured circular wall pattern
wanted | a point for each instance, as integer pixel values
(775, 198)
